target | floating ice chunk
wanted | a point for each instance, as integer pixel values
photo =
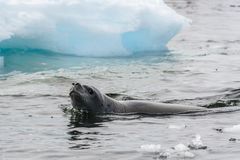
(181, 150)
(181, 147)
(233, 129)
(151, 148)
(172, 126)
(88, 27)
(165, 154)
(197, 143)
(188, 155)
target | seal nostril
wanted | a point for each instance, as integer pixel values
(77, 86)
(73, 84)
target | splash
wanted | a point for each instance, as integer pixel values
(88, 28)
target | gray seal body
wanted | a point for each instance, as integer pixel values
(89, 98)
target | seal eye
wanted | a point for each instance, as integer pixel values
(90, 91)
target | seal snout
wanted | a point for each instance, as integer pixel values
(77, 87)
(75, 90)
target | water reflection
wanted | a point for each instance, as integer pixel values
(80, 140)
(81, 146)
(89, 131)
(84, 119)
(83, 129)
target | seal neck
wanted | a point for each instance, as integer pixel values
(112, 105)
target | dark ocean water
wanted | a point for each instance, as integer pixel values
(200, 68)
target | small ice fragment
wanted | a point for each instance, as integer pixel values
(183, 151)
(188, 155)
(233, 129)
(197, 143)
(172, 126)
(181, 147)
(164, 155)
(151, 147)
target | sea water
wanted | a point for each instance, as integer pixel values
(1, 62)
(200, 67)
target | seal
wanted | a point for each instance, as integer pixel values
(90, 99)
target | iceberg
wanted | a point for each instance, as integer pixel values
(88, 27)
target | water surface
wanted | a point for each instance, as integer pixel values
(201, 68)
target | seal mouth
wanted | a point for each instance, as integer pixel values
(78, 101)
(73, 93)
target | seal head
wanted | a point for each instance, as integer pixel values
(86, 98)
